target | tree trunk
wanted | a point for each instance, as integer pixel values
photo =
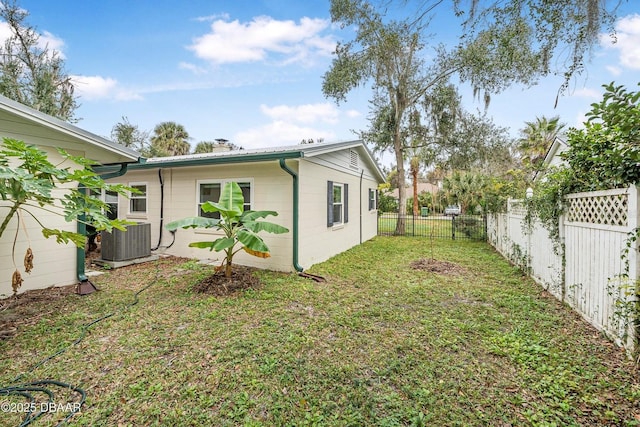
(10, 215)
(227, 263)
(402, 191)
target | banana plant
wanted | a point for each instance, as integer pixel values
(240, 227)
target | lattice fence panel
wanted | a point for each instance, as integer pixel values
(607, 209)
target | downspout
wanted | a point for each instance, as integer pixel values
(161, 208)
(361, 173)
(294, 175)
(81, 228)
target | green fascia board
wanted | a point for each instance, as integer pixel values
(218, 160)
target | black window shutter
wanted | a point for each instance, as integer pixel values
(345, 198)
(329, 203)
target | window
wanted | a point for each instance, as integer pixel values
(138, 201)
(337, 203)
(246, 193)
(111, 199)
(209, 191)
(372, 199)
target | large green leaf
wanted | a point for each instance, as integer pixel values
(223, 243)
(269, 227)
(227, 215)
(231, 198)
(252, 241)
(218, 245)
(253, 215)
(193, 222)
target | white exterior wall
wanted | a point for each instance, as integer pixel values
(272, 190)
(317, 241)
(53, 264)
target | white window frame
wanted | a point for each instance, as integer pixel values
(102, 195)
(222, 182)
(341, 203)
(133, 196)
(373, 200)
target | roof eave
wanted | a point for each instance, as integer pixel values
(67, 128)
(242, 158)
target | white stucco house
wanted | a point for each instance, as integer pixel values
(324, 193)
(54, 264)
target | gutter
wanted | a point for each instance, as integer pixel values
(296, 202)
(85, 286)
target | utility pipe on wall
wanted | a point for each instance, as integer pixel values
(294, 175)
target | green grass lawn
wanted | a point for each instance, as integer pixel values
(379, 344)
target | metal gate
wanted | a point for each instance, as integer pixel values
(437, 226)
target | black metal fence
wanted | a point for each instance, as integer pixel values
(470, 227)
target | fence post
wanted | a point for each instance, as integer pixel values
(453, 227)
(414, 225)
(633, 340)
(486, 227)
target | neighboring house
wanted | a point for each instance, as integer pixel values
(324, 193)
(54, 264)
(552, 157)
(423, 187)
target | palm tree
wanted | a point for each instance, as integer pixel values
(170, 139)
(466, 189)
(537, 137)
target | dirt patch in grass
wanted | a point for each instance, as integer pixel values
(25, 308)
(438, 266)
(29, 307)
(242, 278)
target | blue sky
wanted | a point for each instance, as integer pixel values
(251, 71)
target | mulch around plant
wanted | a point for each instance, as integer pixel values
(242, 278)
(438, 266)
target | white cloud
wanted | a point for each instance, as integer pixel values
(587, 93)
(615, 71)
(352, 114)
(279, 133)
(46, 40)
(5, 32)
(97, 87)
(209, 18)
(263, 37)
(308, 113)
(191, 67)
(628, 41)
(52, 43)
(581, 117)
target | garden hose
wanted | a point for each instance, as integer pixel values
(34, 410)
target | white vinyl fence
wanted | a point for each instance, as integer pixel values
(593, 265)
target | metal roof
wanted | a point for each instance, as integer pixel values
(259, 155)
(51, 122)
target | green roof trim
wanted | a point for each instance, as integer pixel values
(253, 155)
(217, 160)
